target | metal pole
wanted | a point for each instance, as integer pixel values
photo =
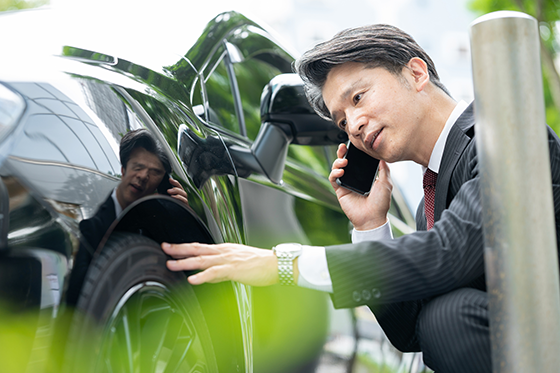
(519, 231)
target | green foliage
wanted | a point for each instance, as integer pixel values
(6, 5)
(552, 111)
(376, 364)
(547, 13)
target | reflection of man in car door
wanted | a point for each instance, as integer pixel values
(144, 167)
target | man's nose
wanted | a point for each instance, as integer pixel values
(143, 174)
(355, 123)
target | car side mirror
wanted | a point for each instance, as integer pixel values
(284, 104)
(287, 118)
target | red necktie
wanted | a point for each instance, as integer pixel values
(430, 178)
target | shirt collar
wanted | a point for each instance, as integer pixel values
(437, 153)
(118, 208)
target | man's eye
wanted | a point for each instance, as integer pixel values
(357, 98)
(342, 124)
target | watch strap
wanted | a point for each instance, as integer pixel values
(286, 263)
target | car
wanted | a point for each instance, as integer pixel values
(248, 150)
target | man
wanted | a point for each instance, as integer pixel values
(427, 289)
(144, 165)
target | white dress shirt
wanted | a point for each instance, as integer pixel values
(312, 263)
(118, 208)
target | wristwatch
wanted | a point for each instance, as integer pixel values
(286, 253)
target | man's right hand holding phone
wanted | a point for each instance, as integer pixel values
(365, 212)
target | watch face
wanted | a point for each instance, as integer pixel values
(293, 248)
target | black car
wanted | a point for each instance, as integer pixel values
(246, 147)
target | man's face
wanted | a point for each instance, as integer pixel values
(140, 178)
(379, 110)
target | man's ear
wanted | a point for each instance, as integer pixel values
(122, 171)
(419, 71)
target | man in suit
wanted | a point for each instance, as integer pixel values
(144, 165)
(427, 289)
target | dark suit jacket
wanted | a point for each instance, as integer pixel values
(397, 277)
(92, 230)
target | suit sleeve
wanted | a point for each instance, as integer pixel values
(92, 231)
(420, 265)
(82, 261)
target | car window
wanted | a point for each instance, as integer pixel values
(252, 76)
(317, 158)
(257, 61)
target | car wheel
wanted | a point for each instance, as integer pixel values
(134, 315)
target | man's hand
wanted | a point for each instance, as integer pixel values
(177, 191)
(364, 212)
(223, 262)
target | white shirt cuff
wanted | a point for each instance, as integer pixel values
(376, 234)
(313, 269)
(312, 263)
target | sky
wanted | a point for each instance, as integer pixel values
(323, 17)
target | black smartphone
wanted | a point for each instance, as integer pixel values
(360, 172)
(164, 185)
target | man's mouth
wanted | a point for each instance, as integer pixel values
(136, 188)
(374, 137)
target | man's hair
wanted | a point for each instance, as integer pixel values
(142, 138)
(375, 46)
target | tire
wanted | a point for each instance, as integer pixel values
(134, 315)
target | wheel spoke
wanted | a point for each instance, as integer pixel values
(133, 312)
(113, 354)
(149, 342)
(129, 353)
(178, 359)
(155, 327)
(177, 343)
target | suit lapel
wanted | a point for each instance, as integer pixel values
(107, 210)
(456, 143)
